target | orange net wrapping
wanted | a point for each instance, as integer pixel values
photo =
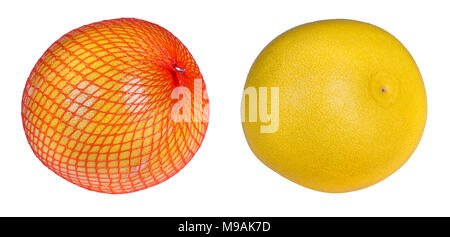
(99, 107)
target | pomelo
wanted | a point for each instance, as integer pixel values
(98, 107)
(351, 104)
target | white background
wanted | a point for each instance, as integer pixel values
(225, 178)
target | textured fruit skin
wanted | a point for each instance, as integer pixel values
(96, 108)
(352, 105)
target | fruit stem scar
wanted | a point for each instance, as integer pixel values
(383, 89)
(181, 70)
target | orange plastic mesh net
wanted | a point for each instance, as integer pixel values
(100, 108)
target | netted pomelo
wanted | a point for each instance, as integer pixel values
(98, 107)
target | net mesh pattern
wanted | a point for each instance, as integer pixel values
(97, 108)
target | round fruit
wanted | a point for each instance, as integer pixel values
(352, 105)
(99, 107)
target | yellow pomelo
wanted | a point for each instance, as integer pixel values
(352, 105)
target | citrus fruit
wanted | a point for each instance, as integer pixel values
(349, 107)
(102, 109)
